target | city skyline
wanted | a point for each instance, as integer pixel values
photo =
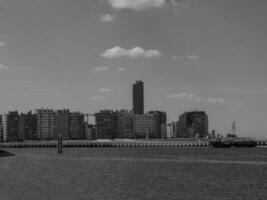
(84, 55)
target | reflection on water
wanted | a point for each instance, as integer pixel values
(135, 173)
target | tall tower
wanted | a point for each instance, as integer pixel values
(138, 98)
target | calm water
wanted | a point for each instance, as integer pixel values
(135, 173)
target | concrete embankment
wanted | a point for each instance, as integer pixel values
(113, 143)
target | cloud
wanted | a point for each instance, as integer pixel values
(196, 98)
(192, 57)
(136, 4)
(97, 98)
(3, 66)
(120, 69)
(183, 95)
(107, 18)
(105, 90)
(135, 52)
(101, 68)
(177, 57)
(216, 100)
(2, 43)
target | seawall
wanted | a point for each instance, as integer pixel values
(112, 143)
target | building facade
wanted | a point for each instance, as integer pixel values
(193, 125)
(76, 125)
(30, 126)
(138, 98)
(146, 126)
(11, 127)
(1, 129)
(160, 120)
(106, 122)
(125, 124)
(46, 124)
(63, 123)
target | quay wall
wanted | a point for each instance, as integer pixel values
(112, 143)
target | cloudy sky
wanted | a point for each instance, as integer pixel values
(85, 55)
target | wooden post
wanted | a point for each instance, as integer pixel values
(59, 144)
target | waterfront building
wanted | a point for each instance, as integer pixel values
(193, 125)
(1, 129)
(31, 126)
(163, 130)
(125, 124)
(76, 125)
(11, 126)
(160, 120)
(172, 130)
(90, 133)
(46, 124)
(138, 98)
(146, 126)
(22, 125)
(63, 123)
(106, 122)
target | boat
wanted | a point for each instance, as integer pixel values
(221, 143)
(233, 142)
(244, 142)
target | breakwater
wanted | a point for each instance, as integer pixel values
(113, 143)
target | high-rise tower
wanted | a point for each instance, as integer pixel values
(138, 98)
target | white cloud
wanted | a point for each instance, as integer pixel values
(3, 66)
(101, 68)
(97, 98)
(2, 43)
(192, 57)
(212, 100)
(121, 69)
(136, 4)
(135, 52)
(183, 95)
(177, 57)
(196, 98)
(105, 90)
(107, 18)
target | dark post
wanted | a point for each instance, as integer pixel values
(59, 144)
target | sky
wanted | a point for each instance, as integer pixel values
(85, 55)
